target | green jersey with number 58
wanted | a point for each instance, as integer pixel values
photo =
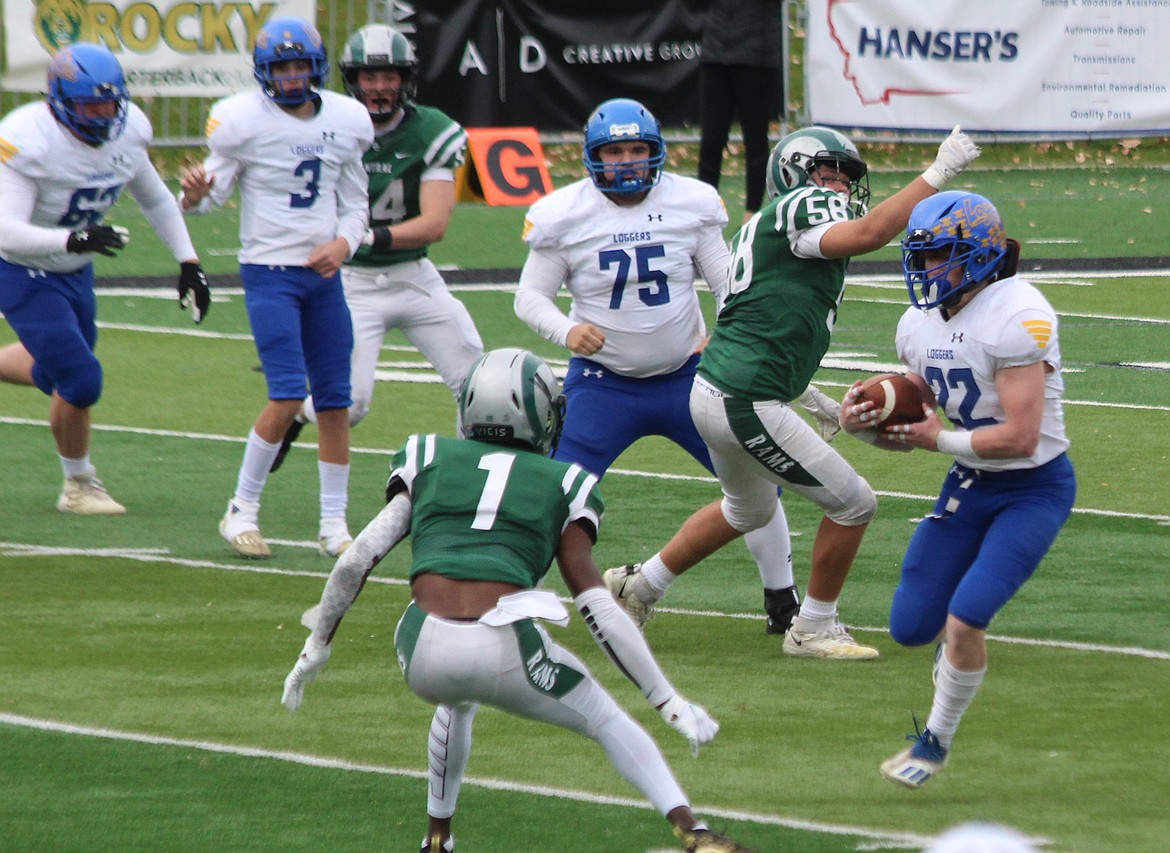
(490, 512)
(425, 139)
(780, 310)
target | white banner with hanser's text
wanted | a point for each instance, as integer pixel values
(1093, 67)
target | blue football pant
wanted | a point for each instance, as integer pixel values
(978, 547)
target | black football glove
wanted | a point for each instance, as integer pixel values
(103, 239)
(193, 290)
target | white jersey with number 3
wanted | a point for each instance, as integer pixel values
(1008, 324)
(631, 269)
(302, 182)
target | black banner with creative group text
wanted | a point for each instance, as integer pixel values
(492, 63)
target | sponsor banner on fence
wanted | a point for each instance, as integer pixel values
(548, 64)
(1043, 66)
(183, 48)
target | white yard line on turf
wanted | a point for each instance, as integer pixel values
(889, 838)
(161, 556)
(625, 472)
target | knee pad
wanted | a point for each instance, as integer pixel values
(747, 516)
(82, 386)
(358, 411)
(858, 508)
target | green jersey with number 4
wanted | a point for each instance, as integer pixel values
(489, 512)
(396, 161)
(780, 310)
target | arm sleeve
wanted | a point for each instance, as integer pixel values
(618, 637)
(437, 173)
(350, 572)
(162, 211)
(353, 203)
(713, 260)
(540, 279)
(18, 198)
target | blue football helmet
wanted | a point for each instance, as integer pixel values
(623, 120)
(969, 229)
(281, 40)
(88, 74)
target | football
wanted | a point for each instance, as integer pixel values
(898, 400)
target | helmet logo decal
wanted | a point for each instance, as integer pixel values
(619, 130)
(64, 66)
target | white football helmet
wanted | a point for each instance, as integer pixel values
(510, 396)
(800, 152)
(377, 47)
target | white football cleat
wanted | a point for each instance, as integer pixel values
(632, 592)
(832, 643)
(85, 495)
(240, 526)
(333, 540)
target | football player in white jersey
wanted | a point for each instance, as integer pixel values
(390, 283)
(983, 345)
(296, 153)
(64, 162)
(625, 242)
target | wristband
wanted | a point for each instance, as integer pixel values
(382, 239)
(936, 177)
(956, 442)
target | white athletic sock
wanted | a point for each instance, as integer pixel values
(771, 547)
(80, 467)
(953, 691)
(657, 575)
(258, 457)
(448, 748)
(334, 489)
(815, 610)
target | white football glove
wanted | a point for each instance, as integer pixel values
(824, 410)
(956, 153)
(689, 720)
(313, 657)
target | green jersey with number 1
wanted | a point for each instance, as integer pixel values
(396, 161)
(489, 512)
(780, 310)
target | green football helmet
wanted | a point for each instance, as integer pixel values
(511, 397)
(376, 47)
(799, 153)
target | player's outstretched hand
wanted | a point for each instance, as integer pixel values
(313, 657)
(193, 290)
(956, 153)
(689, 720)
(824, 409)
(104, 239)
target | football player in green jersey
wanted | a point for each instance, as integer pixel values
(786, 283)
(390, 283)
(486, 517)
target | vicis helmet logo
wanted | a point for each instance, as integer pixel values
(58, 23)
